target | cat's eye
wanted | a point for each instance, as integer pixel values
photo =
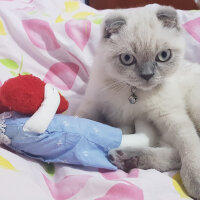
(127, 59)
(163, 56)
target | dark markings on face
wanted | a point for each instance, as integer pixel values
(168, 16)
(113, 25)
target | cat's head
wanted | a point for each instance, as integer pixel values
(142, 46)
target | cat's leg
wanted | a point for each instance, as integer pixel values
(136, 145)
(127, 130)
(90, 110)
(159, 158)
(181, 133)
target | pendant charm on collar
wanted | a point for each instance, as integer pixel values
(133, 98)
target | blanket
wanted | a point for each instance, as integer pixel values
(56, 41)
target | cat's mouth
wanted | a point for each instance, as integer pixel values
(144, 85)
(147, 86)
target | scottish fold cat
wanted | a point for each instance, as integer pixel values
(140, 73)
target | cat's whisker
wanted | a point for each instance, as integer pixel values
(114, 85)
(108, 86)
(118, 88)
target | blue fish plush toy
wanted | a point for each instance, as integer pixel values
(67, 139)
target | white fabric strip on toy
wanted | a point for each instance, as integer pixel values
(41, 119)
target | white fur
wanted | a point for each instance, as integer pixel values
(170, 100)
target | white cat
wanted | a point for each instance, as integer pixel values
(140, 73)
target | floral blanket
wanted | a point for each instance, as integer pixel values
(56, 41)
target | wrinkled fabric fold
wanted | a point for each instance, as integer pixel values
(68, 140)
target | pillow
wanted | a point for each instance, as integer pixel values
(56, 41)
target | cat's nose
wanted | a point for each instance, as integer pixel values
(146, 76)
(146, 70)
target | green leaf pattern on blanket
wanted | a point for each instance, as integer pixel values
(10, 64)
(25, 73)
(49, 168)
(14, 73)
(97, 19)
(72, 7)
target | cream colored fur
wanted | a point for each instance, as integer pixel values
(170, 100)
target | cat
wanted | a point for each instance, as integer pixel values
(140, 72)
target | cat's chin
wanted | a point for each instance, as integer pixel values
(147, 86)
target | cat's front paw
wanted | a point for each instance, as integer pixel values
(123, 159)
(190, 174)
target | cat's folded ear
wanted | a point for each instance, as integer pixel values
(168, 16)
(113, 24)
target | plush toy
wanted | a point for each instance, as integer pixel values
(25, 94)
(29, 95)
(68, 139)
(49, 137)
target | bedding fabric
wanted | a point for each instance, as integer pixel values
(56, 40)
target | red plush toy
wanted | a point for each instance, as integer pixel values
(25, 94)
